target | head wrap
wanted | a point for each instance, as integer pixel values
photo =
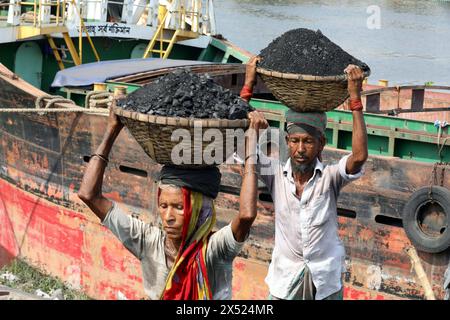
(205, 180)
(313, 123)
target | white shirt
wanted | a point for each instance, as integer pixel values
(306, 228)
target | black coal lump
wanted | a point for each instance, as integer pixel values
(305, 51)
(186, 94)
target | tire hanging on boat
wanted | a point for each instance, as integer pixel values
(426, 219)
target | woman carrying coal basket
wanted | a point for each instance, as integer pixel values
(185, 260)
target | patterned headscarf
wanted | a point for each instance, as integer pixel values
(313, 123)
(188, 278)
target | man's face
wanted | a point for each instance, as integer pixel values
(171, 212)
(303, 150)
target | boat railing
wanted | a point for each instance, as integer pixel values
(191, 15)
(37, 13)
(393, 100)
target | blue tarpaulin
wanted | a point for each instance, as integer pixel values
(90, 73)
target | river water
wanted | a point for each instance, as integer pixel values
(403, 41)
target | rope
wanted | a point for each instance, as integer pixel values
(434, 177)
(95, 95)
(432, 181)
(50, 103)
(440, 125)
(54, 110)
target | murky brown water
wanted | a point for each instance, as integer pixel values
(412, 45)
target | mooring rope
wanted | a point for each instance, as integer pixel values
(54, 110)
(51, 102)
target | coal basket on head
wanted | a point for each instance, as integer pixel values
(167, 140)
(307, 93)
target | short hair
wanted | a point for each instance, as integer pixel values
(164, 186)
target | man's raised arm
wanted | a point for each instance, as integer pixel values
(359, 134)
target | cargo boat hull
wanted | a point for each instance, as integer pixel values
(42, 160)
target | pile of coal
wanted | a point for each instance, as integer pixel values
(308, 52)
(188, 95)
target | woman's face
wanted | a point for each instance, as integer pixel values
(171, 211)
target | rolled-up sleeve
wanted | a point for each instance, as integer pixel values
(343, 170)
(223, 246)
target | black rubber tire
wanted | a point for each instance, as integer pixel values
(419, 239)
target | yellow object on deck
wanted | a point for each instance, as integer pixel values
(162, 10)
(29, 31)
(99, 86)
(165, 37)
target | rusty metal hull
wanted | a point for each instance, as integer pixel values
(42, 160)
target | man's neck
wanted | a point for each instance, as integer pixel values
(302, 178)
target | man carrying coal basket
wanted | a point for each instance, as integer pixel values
(308, 257)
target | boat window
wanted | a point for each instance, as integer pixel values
(390, 221)
(133, 171)
(346, 213)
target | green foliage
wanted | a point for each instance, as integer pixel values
(31, 279)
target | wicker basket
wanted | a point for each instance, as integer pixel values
(306, 93)
(154, 134)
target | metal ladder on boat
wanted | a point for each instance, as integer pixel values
(164, 38)
(71, 47)
(47, 28)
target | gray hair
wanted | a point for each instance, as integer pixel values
(164, 186)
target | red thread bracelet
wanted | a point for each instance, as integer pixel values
(356, 105)
(246, 93)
